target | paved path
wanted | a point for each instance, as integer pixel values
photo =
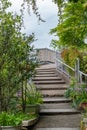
(56, 112)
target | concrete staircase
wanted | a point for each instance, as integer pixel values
(56, 111)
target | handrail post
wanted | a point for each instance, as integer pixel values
(77, 70)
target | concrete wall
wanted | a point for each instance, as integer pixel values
(45, 54)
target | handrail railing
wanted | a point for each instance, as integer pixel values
(64, 68)
(71, 72)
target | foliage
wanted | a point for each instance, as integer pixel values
(83, 120)
(72, 28)
(33, 5)
(77, 92)
(16, 64)
(83, 62)
(32, 95)
(11, 119)
(70, 55)
(15, 104)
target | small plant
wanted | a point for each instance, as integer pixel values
(32, 95)
(12, 119)
(83, 122)
(77, 93)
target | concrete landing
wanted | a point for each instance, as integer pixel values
(58, 129)
(59, 121)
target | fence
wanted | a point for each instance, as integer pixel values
(71, 72)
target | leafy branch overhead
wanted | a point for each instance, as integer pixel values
(73, 24)
(33, 4)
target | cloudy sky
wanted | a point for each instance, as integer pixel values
(48, 12)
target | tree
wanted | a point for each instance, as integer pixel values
(15, 49)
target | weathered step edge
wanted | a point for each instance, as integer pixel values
(49, 82)
(46, 72)
(45, 69)
(54, 95)
(50, 100)
(48, 75)
(45, 79)
(51, 88)
(58, 111)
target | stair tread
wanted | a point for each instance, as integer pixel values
(56, 99)
(52, 86)
(45, 72)
(49, 82)
(46, 75)
(52, 92)
(45, 68)
(59, 111)
(47, 78)
(56, 106)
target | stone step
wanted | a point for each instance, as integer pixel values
(59, 121)
(56, 100)
(50, 82)
(42, 73)
(47, 75)
(56, 106)
(46, 78)
(58, 128)
(46, 70)
(52, 86)
(58, 111)
(52, 93)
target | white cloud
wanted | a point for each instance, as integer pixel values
(48, 11)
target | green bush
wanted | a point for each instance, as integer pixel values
(32, 95)
(12, 119)
(77, 93)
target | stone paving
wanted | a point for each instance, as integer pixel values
(56, 112)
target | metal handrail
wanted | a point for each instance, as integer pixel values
(79, 75)
(65, 64)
